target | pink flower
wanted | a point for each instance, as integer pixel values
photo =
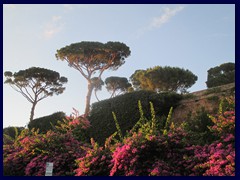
(134, 150)
(219, 145)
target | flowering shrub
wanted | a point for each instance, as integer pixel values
(218, 158)
(31, 153)
(146, 150)
(76, 124)
(152, 155)
(221, 153)
(96, 162)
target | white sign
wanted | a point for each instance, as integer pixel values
(49, 169)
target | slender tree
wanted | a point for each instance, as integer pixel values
(36, 84)
(97, 85)
(163, 79)
(220, 75)
(117, 84)
(93, 58)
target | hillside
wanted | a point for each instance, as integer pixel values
(208, 98)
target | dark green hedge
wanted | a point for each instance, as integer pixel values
(127, 112)
(44, 123)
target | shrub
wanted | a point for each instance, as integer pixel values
(197, 127)
(126, 109)
(28, 156)
(96, 162)
(11, 133)
(44, 123)
(150, 151)
(218, 158)
(152, 155)
(75, 124)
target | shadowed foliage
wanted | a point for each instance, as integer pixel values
(126, 108)
(220, 75)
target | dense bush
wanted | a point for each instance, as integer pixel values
(96, 162)
(31, 150)
(150, 151)
(28, 156)
(146, 150)
(44, 123)
(197, 126)
(11, 133)
(218, 158)
(75, 124)
(152, 155)
(126, 109)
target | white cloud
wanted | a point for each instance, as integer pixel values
(54, 26)
(168, 13)
(157, 22)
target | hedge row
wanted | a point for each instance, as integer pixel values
(44, 123)
(127, 111)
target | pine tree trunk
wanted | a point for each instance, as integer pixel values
(96, 95)
(88, 99)
(32, 111)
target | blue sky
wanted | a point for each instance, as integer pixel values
(194, 37)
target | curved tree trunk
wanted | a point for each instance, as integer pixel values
(88, 99)
(32, 110)
(96, 95)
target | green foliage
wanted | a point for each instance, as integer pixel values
(75, 124)
(114, 84)
(197, 127)
(36, 84)
(220, 75)
(40, 80)
(47, 122)
(11, 133)
(97, 84)
(29, 154)
(117, 126)
(166, 127)
(127, 111)
(91, 58)
(94, 55)
(161, 79)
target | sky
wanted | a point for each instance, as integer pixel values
(194, 37)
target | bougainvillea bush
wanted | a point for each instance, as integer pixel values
(146, 150)
(149, 151)
(30, 152)
(96, 162)
(219, 157)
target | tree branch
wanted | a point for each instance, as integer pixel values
(20, 91)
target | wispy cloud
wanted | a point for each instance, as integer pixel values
(54, 26)
(167, 14)
(157, 22)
